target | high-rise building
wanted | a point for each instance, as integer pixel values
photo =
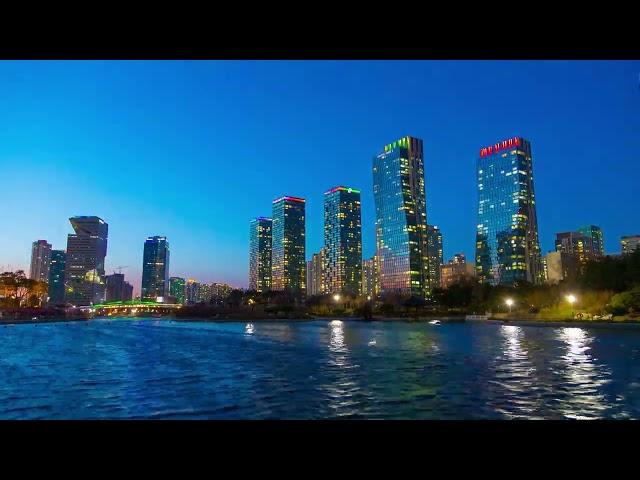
(370, 278)
(455, 270)
(401, 218)
(155, 268)
(342, 241)
(597, 240)
(220, 291)
(56, 277)
(127, 292)
(115, 287)
(315, 274)
(434, 251)
(577, 244)
(177, 289)
(40, 260)
(204, 294)
(191, 291)
(629, 243)
(561, 266)
(288, 264)
(260, 254)
(86, 251)
(507, 246)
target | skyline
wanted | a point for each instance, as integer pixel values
(91, 135)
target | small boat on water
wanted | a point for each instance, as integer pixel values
(434, 322)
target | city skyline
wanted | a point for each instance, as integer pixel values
(571, 133)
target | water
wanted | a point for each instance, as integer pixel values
(149, 368)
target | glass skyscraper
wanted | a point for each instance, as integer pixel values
(401, 218)
(40, 260)
(260, 254)
(342, 241)
(434, 249)
(288, 266)
(177, 289)
(84, 270)
(56, 277)
(155, 268)
(597, 241)
(507, 247)
(315, 274)
(370, 278)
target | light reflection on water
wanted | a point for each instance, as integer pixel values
(319, 369)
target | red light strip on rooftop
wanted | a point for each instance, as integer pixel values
(290, 199)
(342, 189)
(512, 142)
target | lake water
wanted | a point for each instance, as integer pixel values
(161, 369)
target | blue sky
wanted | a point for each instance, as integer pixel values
(193, 150)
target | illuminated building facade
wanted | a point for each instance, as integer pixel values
(370, 278)
(56, 277)
(260, 254)
(629, 243)
(155, 268)
(288, 263)
(507, 246)
(434, 251)
(191, 291)
(401, 218)
(177, 287)
(455, 270)
(315, 274)
(342, 241)
(577, 244)
(40, 261)
(84, 268)
(597, 240)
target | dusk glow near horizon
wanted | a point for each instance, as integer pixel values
(194, 150)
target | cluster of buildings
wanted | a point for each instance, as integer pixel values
(77, 276)
(409, 255)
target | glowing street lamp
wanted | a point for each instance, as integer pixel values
(571, 299)
(336, 297)
(509, 302)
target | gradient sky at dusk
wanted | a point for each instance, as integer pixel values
(193, 150)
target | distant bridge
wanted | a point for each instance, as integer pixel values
(134, 308)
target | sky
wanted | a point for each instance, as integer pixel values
(193, 150)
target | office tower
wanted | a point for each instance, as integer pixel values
(401, 218)
(86, 251)
(434, 251)
(370, 278)
(597, 240)
(455, 270)
(260, 254)
(577, 244)
(177, 289)
(629, 243)
(155, 268)
(315, 276)
(288, 245)
(191, 292)
(342, 241)
(56, 277)
(40, 260)
(561, 266)
(507, 247)
(115, 287)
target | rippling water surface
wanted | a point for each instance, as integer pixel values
(148, 368)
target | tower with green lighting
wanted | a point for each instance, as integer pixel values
(342, 241)
(401, 219)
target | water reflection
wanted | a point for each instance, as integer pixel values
(249, 329)
(582, 375)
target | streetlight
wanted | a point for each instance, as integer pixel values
(336, 297)
(571, 298)
(509, 302)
